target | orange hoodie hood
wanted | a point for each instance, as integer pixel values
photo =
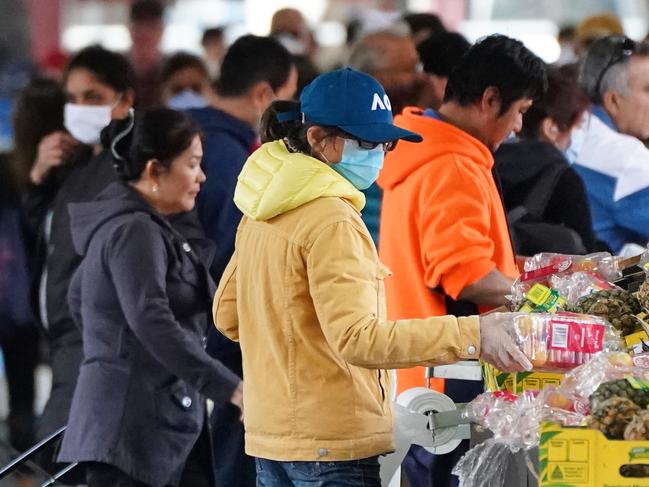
(439, 138)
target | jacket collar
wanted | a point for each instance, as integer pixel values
(274, 181)
(599, 112)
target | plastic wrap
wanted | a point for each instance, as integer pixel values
(514, 423)
(574, 286)
(601, 263)
(644, 262)
(515, 419)
(570, 276)
(559, 342)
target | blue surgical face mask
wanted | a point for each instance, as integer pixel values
(186, 100)
(576, 143)
(360, 166)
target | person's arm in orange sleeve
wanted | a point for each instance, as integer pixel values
(490, 290)
(456, 247)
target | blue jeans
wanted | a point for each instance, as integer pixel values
(354, 473)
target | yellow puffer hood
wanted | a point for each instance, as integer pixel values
(274, 181)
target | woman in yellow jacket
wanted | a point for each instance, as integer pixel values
(304, 293)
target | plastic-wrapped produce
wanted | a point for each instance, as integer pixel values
(514, 419)
(601, 263)
(570, 276)
(559, 342)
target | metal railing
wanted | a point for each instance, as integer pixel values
(26, 457)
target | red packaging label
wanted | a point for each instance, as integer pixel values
(641, 360)
(571, 344)
(557, 267)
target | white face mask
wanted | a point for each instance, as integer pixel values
(85, 122)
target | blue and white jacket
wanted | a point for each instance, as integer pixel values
(615, 170)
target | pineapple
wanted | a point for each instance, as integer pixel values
(643, 294)
(615, 305)
(638, 428)
(619, 388)
(612, 416)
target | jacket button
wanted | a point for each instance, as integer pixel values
(471, 350)
(186, 402)
(323, 452)
(186, 247)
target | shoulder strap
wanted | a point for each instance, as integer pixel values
(539, 196)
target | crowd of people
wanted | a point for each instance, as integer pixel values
(225, 254)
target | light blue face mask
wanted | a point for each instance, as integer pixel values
(576, 143)
(186, 100)
(360, 166)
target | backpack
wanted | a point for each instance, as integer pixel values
(530, 234)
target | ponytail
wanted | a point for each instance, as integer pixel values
(283, 120)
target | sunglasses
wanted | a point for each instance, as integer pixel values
(363, 144)
(623, 50)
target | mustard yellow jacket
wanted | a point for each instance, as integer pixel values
(304, 295)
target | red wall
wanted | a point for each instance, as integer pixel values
(45, 24)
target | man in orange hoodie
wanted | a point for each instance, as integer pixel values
(444, 233)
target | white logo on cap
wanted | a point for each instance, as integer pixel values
(378, 104)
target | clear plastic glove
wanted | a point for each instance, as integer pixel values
(497, 345)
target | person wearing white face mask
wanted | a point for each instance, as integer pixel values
(85, 122)
(72, 166)
(304, 293)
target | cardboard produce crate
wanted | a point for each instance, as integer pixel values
(517, 382)
(578, 457)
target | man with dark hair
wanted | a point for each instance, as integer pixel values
(444, 233)
(439, 53)
(423, 25)
(608, 152)
(146, 26)
(255, 72)
(241, 70)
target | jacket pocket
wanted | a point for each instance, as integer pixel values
(369, 393)
(177, 409)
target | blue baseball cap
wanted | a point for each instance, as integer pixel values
(355, 103)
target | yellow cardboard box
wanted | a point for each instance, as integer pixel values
(635, 341)
(578, 457)
(517, 382)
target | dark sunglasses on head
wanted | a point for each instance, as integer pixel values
(623, 50)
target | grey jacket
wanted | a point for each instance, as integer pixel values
(142, 297)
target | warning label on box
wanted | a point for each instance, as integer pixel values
(568, 472)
